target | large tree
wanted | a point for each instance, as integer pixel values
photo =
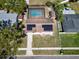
(10, 40)
(58, 8)
(15, 5)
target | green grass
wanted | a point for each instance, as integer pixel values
(45, 52)
(24, 43)
(22, 52)
(71, 40)
(71, 52)
(45, 41)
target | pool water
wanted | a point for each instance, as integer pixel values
(36, 12)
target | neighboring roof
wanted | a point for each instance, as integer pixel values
(68, 11)
(2, 11)
(8, 16)
(71, 23)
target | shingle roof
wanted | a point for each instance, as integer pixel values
(71, 23)
(8, 16)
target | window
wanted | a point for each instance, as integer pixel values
(30, 26)
(47, 27)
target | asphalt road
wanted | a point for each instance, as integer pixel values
(48, 57)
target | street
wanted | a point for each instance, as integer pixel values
(48, 57)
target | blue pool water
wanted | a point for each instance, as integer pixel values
(36, 12)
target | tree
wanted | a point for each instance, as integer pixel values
(10, 40)
(14, 5)
(58, 8)
(48, 3)
(2, 4)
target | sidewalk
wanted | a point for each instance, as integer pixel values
(29, 44)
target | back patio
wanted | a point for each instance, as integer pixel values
(39, 18)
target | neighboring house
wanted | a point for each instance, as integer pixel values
(71, 23)
(8, 18)
(68, 11)
(3, 11)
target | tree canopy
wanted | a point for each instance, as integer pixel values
(15, 5)
(10, 40)
(58, 8)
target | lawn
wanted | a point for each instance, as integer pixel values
(69, 40)
(24, 43)
(71, 52)
(22, 52)
(45, 41)
(45, 52)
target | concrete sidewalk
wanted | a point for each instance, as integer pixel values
(29, 44)
(50, 57)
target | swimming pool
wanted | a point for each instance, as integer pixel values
(36, 12)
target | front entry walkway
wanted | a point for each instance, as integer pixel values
(29, 44)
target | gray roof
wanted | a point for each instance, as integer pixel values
(8, 16)
(71, 23)
(69, 11)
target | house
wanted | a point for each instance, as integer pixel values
(38, 19)
(8, 19)
(68, 11)
(71, 23)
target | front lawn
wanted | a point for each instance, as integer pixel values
(45, 41)
(24, 43)
(45, 52)
(22, 52)
(71, 52)
(69, 40)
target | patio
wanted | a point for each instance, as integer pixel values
(39, 14)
